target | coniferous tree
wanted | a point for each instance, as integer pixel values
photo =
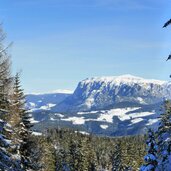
(7, 160)
(159, 151)
(91, 157)
(151, 160)
(5, 74)
(25, 124)
(20, 120)
(82, 154)
(117, 158)
(164, 138)
(73, 155)
(167, 23)
(129, 154)
(46, 155)
(16, 110)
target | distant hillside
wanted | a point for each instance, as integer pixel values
(45, 101)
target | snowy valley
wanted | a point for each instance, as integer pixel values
(112, 106)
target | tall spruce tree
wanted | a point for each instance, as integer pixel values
(7, 160)
(20, 120)
(159, 149)
(164, 138)
(25, 125)
(151, 160)
(5, 73)
(16, 109)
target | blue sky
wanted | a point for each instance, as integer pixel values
(57, 43)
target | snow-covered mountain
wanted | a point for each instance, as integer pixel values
(122, 105)
(109, 92)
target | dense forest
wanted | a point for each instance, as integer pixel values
(70, 150)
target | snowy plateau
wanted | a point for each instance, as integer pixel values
(110, 106)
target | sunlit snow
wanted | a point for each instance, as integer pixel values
(75, 120)
(136, 120)
(104, 126)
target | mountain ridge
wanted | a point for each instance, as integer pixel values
(112, 106)
(109, 91)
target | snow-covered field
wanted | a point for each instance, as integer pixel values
(123, 114)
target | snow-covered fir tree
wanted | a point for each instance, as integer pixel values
(8, 161)
(21, 122)
(15, 109)
(151, 157)
(159, 147)
(164, 138)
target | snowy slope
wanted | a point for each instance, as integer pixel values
(111, 122)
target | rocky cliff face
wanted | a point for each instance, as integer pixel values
(109, 92)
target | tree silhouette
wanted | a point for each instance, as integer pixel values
(167, 23)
